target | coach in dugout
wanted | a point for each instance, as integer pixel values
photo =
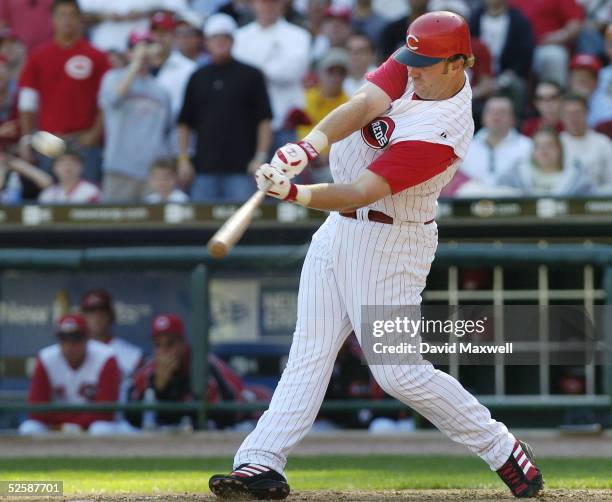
(75, 370)
(99, 312)
(167, 377)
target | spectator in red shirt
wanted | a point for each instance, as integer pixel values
(73, 371)
(59, 88)
(31, 20)
(556, 24)
(548, 104)
(9, 125)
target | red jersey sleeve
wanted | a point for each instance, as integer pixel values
(40, 392)
(410, 163)
(570, 10)
(108, 392)
(29, 74)
(391, 77)
(5, 18)
(110, 380)
(40, 388)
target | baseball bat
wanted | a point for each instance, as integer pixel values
(232, 230)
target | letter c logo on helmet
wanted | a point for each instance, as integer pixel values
(412, 42)
(435, 37)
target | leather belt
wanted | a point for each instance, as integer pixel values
(376, 216)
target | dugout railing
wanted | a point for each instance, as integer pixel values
(594, 262)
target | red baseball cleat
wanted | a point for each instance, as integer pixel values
(250, 481)
(520, 472)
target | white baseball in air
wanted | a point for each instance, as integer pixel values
(48, 144)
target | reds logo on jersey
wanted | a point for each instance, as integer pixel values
(79, 67)
(377, 133)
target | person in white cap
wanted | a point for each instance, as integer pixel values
(282, 51)
(223, 96)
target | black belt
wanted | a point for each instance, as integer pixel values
(376, 216)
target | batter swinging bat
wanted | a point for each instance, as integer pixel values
(232, 230)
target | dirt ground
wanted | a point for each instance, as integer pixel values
(361, 496)
(216, 444)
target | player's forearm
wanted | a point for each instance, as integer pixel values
(333, 197)
(346, 119)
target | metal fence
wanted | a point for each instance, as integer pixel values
(594, 261)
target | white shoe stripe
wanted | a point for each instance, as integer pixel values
(243, 471)
(520, 458)
(260, 467)
(251, 470)
(527, 467)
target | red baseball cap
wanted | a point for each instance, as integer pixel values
(434, 37)
(586, 62)
(163, 21)
(339, 12)
(71, 327)
(138, 36)
(96, 299)
(168, 324)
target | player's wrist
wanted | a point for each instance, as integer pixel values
(300, 194)
(317, 140)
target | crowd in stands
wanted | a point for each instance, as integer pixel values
(178, 100)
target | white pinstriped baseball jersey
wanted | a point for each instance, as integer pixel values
(448, 122)
(355, 263)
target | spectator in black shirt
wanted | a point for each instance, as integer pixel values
(512, 47)
(393, 35)
(227, 105)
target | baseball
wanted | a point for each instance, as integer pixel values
(48, 144)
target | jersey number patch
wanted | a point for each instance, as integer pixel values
(377, 133)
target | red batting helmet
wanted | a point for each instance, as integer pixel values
(434, 37)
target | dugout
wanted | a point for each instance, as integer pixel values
(515, 267)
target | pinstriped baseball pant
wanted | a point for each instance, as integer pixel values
(352, 263)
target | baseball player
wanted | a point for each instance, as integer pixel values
(99, 312)
(75, 370)
(396, 144)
